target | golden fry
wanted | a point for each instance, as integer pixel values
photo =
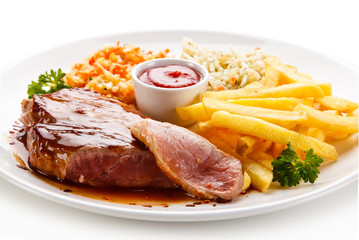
(288, 74)
(262, 158)
(337, 103)
(192, 112)
(336, 135)
(316, 133)
(277, 148)
(329, 122)
(204, 126)
(227, 135)
(287, 119)
(261, 177)
(326, 88)
(245, 144)
(263, 145)
(287, 104)
(296, 90)
(260, 128)
(194, 127)
(246, 181)
(271, 77)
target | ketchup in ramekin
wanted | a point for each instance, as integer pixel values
(170, 76)
(162, 85)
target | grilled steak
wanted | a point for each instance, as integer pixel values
(78, 135)
(191, 161)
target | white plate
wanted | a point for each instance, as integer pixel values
(344, 78)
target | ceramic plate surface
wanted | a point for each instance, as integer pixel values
(344, 79)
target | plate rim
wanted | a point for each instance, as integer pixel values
(178, 216)
(112, 35)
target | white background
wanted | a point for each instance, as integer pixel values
(30, 26)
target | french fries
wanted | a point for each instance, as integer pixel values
(192, 112)
(287, 104)
(296, 90)
(255, 123)
(260, 128)
(330, 122)
(286, 119)
(289, 74)
(277, 148)
(263, 158)
(337, 103)
(246, 181)
(245, 145)
(263, 145)
(259, 175)
(271, 77)
(316, 133)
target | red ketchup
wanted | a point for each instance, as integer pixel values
(170, 76)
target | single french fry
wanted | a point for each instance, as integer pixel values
(263, 145)
(262, 158)
(301, 153)
(229, 136)
(301, 129)
(194, 127)
(224, 135)
(277, 148)
(271, 77)
(245, 144)
(296, 90)
(329, 122)
(336, 135)
(260, 128)
(204, 126)
(308, 101)
(316, 133)
(192, 112)
(337, 103)
(326, 88)
(288, 74)
(287, 104)
(287, 119)
(261, 177)
(246, 181)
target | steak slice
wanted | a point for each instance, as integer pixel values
(78, 135)
(191, 161)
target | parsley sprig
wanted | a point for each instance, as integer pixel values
(47, 83)
(289, 169)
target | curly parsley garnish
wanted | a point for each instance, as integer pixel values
(47, 83)
(289, 169)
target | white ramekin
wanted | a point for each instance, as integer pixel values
(161, 103)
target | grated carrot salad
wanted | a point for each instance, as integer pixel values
(108, 71)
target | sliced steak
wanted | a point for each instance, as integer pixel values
(191, 161)
(81, 136)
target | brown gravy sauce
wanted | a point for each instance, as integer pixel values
(145, 197)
